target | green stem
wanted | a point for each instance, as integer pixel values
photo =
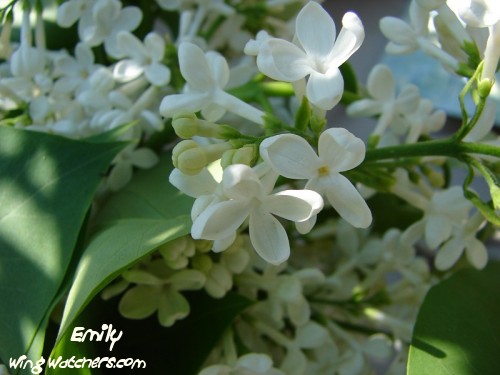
(431, 148)
(446, 147)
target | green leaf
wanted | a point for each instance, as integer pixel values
(181, 349)
(47, 184)
(147, 213)
(457, 329)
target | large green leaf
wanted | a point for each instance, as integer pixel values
(458, 326)
(181, 349)
(132, 223)
(46, 186)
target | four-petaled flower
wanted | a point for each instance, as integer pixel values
(339, 150)
(248, 197)
(317, 54)
(206, 74)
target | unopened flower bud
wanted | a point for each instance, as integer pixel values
(203, 246)
(188, 125)
(484, 87)
(189, 157)
(176, 253)
(219, 281)
(202, 262)
(245, 155)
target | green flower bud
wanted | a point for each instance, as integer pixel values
(203, 246)
(484, 87)
(202, 262)
(175, 253)
(185, 125)
(219, 281)
(189, 157)
(245, 155)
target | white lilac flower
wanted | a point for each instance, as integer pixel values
(317, 54)
(338, 151)
(94, 97)
(206, 74)
(285, 299)
(249, 197)
(124, 163)
(463, 240)
(144, 58)
(75, 71)
(206, 189)
(382, 88)
(105, 21)
(448, 17)
(446, 210)
(248, 364)
(424, 120)
(71, 11)
(485, 13)
(406, 38)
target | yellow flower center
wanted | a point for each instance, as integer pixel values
(323, 171)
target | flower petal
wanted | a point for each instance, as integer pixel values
(195, 186)
(397, 31)
(364, 108)
(340, 149)
(224, 243)
(348, 41)
(479, 13)
(347, 201)
(304, 227)
(191, 102)
(449, 254)
(437, 230)
(282, 60)
(220, 220)
(476, 253)
(155, 46)
(131, 46)
(139, 302)
(295, 205)
(144, 158)
(172, 306)
(240, 182)
(68, 13)
(381, 83)
(317, 41)
(212, 112)
(268, 237)
(129, 19)
(325, 90)
(258, 363)
(219, 68)
(408, 99)
(194, 66)
(290, 155)
(157, 74)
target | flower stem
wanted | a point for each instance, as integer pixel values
(447, 147)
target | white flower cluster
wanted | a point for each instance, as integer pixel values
(456, 23)
(280, 212)
(244, 192)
